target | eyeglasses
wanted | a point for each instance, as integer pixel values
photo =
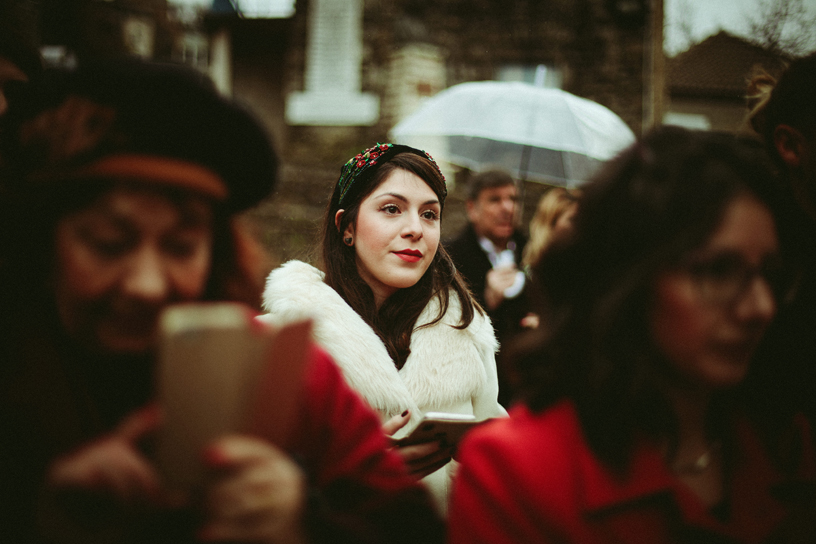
(724, 278)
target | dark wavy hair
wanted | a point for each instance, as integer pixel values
(394, 321)
(643, 213)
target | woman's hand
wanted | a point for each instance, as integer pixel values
(396, 423)
(257, 495)
(112, 465)
(93, 490)
(425, 458)
(421, 459)
(497, 281)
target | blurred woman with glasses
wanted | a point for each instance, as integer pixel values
(634, 427)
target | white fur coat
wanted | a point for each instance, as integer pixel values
(448, 370)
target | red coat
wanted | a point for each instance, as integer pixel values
(533, 479)
(359, 489)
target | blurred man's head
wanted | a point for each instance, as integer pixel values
(491, 206)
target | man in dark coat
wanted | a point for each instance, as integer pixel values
(487, 253)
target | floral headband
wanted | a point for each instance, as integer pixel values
(364, 164)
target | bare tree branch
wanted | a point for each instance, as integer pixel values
(685, 25)
(783, 26)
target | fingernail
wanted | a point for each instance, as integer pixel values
(405, 413)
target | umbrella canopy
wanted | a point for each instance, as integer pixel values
(536, 133)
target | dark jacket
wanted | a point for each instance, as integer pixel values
(473, 264)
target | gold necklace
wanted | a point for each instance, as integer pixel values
(700, 465)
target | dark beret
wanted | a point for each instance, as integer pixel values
(139, 109)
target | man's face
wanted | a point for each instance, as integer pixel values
(493, 213)
(8, 72)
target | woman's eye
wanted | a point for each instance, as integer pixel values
(724, 269)
(390, 209)
(109, 248)
(720, 269)
(107, 245)
(181, 247)
(430, 215)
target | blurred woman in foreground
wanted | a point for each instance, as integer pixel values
(125, 182)
(633, 428)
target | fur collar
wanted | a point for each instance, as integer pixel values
(446, 365)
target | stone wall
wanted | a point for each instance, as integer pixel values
(599, 52)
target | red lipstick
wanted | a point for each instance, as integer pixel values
(409, 255)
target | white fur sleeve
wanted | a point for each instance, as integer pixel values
(485, 401)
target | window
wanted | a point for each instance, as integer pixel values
(250, 9)
(541, 75)
(695, 121)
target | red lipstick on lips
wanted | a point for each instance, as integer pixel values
(409, 255)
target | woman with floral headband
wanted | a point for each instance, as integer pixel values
(389, 305)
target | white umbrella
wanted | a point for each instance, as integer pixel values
(540, 134)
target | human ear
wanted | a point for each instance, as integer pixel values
(349, 232)
(790, 144)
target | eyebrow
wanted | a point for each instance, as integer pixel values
(189, 216)
(730, 253)
(402, 198)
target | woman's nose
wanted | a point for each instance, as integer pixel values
(412, 227)
(758, 302)
(146, 277)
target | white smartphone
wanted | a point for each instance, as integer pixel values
(219, 371)
(446, 427)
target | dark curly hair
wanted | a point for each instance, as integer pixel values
(643, 213)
